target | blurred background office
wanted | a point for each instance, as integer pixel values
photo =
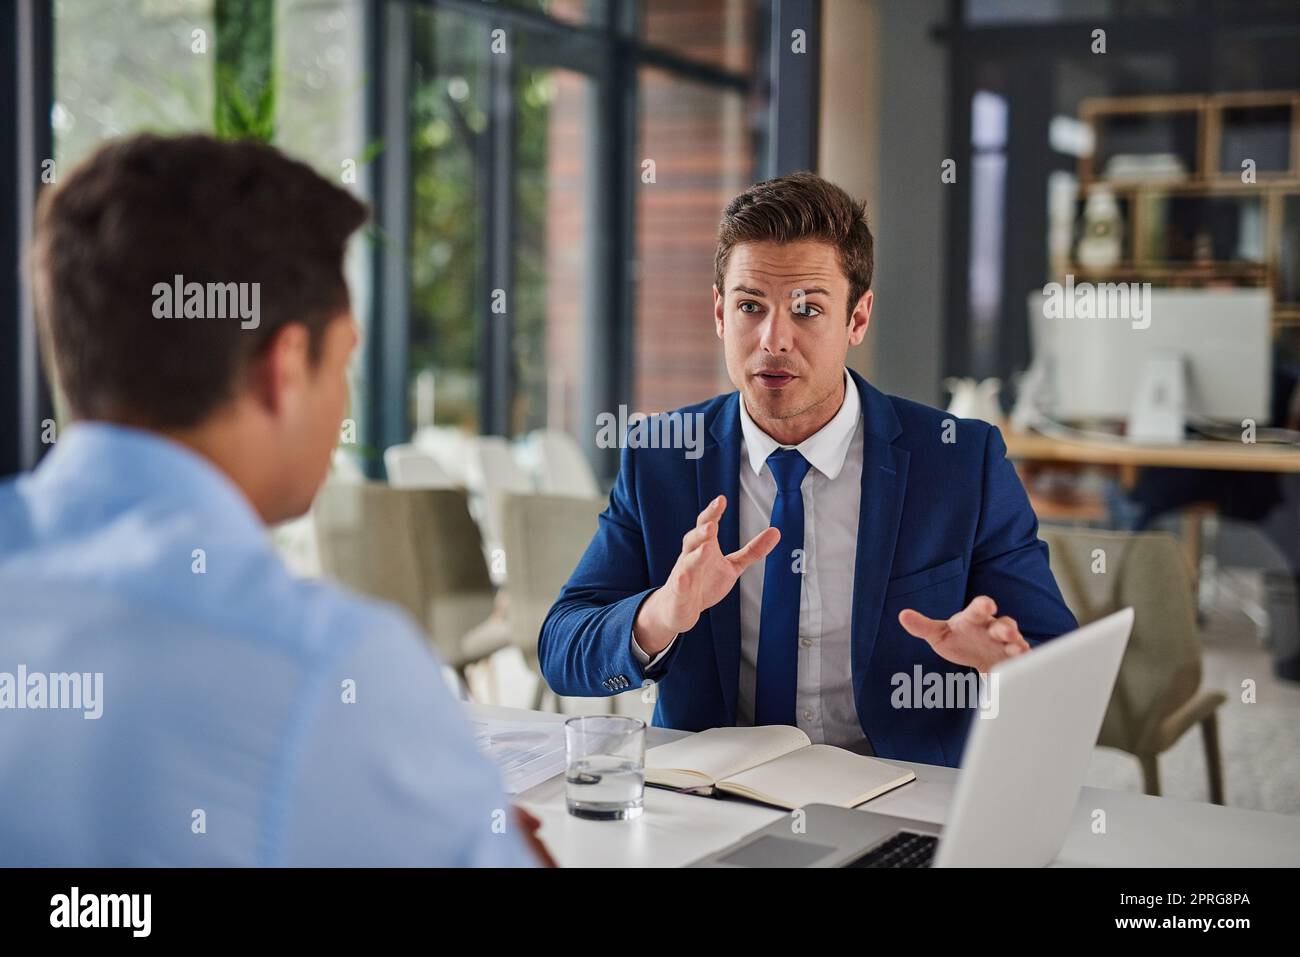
(546, 178)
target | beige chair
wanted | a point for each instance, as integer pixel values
(1158, 695)
(558, 465)
(446, 445)
(545, 536)
(410, 467)
(417, 548)
(492, 472)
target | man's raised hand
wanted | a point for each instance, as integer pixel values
(700, 579)
(974, 637)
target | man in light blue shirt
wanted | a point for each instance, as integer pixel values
(169, 693)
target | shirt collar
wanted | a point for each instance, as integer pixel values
(825, 449)
(130, 467)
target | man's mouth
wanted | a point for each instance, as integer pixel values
(774, 378)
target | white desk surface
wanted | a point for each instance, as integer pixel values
(1142, 831)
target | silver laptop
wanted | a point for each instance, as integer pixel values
(1020, 779)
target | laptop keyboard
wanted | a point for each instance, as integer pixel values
(904, 849)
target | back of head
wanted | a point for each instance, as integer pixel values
(149, 255)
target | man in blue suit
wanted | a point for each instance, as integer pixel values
(830, 548)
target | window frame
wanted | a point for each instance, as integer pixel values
(608, 49)
(610, 54)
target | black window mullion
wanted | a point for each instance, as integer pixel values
(498, 171)
(794, 85)
(26, 96)
(607, 51)
(386, 416)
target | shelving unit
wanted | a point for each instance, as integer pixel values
(1204, 227)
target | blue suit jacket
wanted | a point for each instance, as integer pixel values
(940, 522)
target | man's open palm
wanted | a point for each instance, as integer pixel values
(700, 579)
(974, 637)
(703, 575)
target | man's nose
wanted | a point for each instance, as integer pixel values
(778, 333)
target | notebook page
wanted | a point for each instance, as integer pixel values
(722, 752)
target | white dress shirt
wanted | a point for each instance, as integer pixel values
(832, 491)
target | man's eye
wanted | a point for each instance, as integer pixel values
(806, 309)
(745, 306)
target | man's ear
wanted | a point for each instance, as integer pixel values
(719, 301)
(860, 318)
(278, 375)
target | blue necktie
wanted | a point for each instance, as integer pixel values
(778, 630)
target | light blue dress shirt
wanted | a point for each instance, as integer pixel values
(226, 731)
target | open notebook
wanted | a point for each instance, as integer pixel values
(774, 764)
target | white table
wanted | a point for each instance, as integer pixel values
(1141, 831)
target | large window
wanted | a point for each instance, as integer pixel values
(553, 273)
(524, 268)
(449, 120)
(122, 66)
(696, 137)
(290, 72)
(553, 259)
(521, 136)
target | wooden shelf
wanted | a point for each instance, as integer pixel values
(1286, 314)
(1217, 268)
(1208, 109)
(1141, 199)
(1253, 274)
(1213, 186)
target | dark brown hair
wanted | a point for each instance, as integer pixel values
(145, 209)
(797, 207)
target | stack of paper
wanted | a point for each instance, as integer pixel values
(527, 753)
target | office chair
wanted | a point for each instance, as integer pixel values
(558, 465)
(419, 549)
(410, 467)
(545, 537)
(491, 473)
(1157, 696)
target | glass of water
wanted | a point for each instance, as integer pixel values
(605, 778)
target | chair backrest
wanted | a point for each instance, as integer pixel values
(417, 548)
(411, 467)
(493, 472)
(493, 466)
(1100, 572)
(448, 446)
(545, 536)
(561, 468)
(344, 468)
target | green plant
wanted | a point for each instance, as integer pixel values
(244, 72)
(236, 115)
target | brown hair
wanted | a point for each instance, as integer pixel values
(145, 209)
(797, 207)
